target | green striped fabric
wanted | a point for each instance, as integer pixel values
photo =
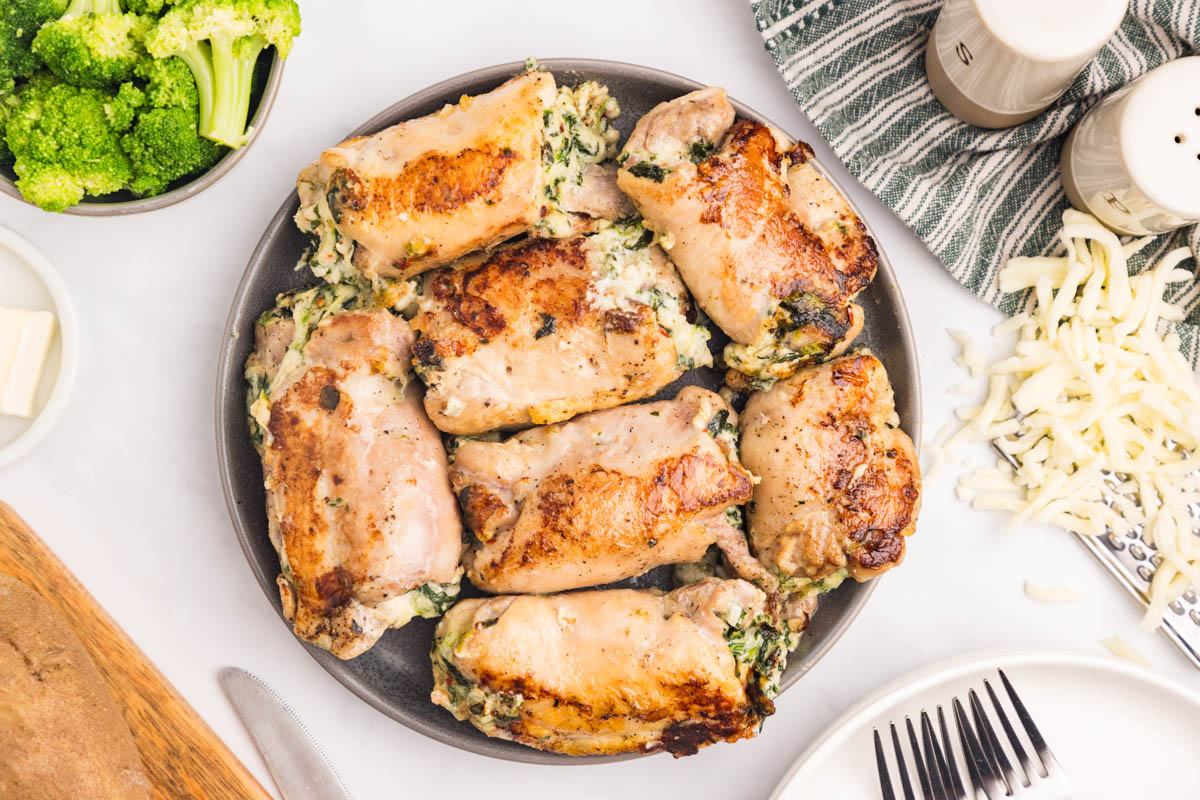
(974, 196)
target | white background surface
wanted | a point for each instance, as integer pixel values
(125, 488)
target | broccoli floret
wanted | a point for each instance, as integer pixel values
(169, 83)
(65, 144)
(93, 44)
(124, 106)
(164, 146)
(150, 7)
(19, 23)
(220, 40)
(8, 102)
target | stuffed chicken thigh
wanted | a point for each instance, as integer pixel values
(358, 503)
(840, 486)
(616, 671)
(603, 497)
(523, 157)
(541, 330)
(769, 249)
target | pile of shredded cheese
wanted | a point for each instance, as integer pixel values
(1095, 406)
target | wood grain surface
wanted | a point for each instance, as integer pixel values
(183, 757)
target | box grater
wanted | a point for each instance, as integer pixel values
(1132, 562)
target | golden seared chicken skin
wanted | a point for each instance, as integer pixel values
(606, 496)
(766, 245)
(615, 671)
(841, 485)
(358, 502)
(544, 329)
(525, 157)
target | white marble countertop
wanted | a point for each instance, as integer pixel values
(125, 488)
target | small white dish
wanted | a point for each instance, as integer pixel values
(1117, 730)
(29, 280)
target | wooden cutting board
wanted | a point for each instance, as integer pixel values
(183, 757)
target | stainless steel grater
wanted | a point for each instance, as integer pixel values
(1132, 562)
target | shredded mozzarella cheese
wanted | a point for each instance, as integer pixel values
(1052, 594)
(1123, 649)
(1095, 408)
(971, 356)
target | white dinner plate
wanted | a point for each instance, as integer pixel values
(1117, 729)
(28, 280)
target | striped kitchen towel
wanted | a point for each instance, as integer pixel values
(974, 196)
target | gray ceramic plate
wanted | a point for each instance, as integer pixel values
(395, 675)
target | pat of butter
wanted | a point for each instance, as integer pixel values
(24, 342)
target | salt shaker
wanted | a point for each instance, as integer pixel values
(1133, 161)
(997, 63)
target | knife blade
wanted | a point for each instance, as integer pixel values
(299, 767)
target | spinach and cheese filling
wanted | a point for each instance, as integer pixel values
(760, 649)
(330, 254)
(725, 433)
(429, 600)
(735, 518)
(645, 164)
(487, 709)
(629, 276)
(579, 133)
(797, 587)
(801, 329)
(305, 308)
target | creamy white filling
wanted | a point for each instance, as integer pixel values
(578, 133)
(630, 276)
(331, 255)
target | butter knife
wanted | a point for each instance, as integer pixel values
(299, 767)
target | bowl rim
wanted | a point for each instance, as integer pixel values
(282, 217)
(192, 187)
(68, 360)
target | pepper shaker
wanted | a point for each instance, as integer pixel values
(997, 63)
(1133, 161)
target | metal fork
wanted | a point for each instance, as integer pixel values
(990, 774)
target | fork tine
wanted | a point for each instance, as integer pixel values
(1035, 736)
(1018, 748)
(922, 775)
(951, 767)
(905, 783)
(972, 769)
(934, 759)
(935, 775)
(991, 745)
(982, 776)
(885, 781)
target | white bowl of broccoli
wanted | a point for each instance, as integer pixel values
(121, 106)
